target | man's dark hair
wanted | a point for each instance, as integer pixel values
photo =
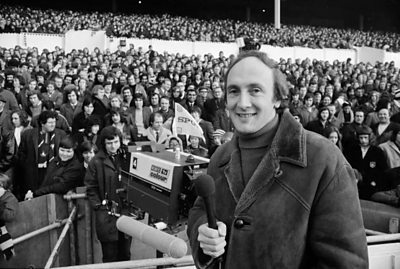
(153, 115)
(196, 109)
(48, 105)
(68, 143)
(45, 115)
(109, 133)
(395, 131)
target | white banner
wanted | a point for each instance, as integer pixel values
(185, 124)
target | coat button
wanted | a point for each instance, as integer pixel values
(239, 223)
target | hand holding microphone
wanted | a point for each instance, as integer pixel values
(212, 241)
(212, 234)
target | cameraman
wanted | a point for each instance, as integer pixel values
(102, 179)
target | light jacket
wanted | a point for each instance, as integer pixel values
(300, 208)
(392, 153)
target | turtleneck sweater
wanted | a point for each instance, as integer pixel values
(253, 147)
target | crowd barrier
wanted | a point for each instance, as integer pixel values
(98, 39)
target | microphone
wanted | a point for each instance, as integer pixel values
(205, 188)
(166, 243)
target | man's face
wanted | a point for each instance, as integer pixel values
(203, 93)
(359, 117)
(364, 140)
(127, 94)
(139, 103)
(383, 115)
(250, 95)
(218, 93)
(58, 82)
(50, 125)
(50, 87)
(88, 155)
(34, 99)
(157, 123)
(115, 102)
(62, 72)
(332, 110)
(65, 154)
(324, 115)
(196, 116)
(191, 96)
(167, 85)
(309, 102)
(164, 104)
(112, 145)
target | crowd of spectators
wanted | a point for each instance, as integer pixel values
(135, 91)
(167, 27)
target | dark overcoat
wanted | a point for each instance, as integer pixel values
(300, 208)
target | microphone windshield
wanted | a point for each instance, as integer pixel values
(204, 185)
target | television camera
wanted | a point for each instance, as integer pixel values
(158, 183)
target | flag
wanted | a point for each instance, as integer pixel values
(185, 124)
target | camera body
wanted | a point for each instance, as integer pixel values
(161, 184)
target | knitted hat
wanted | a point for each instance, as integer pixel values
(397, 94)
(218, 132)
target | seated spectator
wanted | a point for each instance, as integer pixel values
(154, 102)
(61, 121)
(129, 131)
(139, 115)
(71, 106)
(91, 133)
(211, 106)
(223, 121)
(53, 95)
(35, 104)
(391, 149)
(101, 103)
(370, 163)
(195, 148)
(81, 121)
(156, 132)
(167, 112)
(64, 172)
(174, 142)
(318, 126)
(206, 126)
(87, 150)
(4, 115)
(333, 134)
(308, 112)
(384, 128)
(8, 211)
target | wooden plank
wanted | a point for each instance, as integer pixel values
(32, 215)
(52, 217)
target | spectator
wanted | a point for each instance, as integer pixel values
(87, 150)
(391, 149)
(206, 126)
(101, 179)
(139, 115)
(37, 149)
(156, 132)
(71, 106)
(64, 172)
(8, 211)
(370, 162)
(318, 126)
(195, 148)
(53, 95)
(119, 121)
(383, 129)
(308, 112)
(334, 135)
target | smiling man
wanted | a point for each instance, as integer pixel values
(286, 197)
